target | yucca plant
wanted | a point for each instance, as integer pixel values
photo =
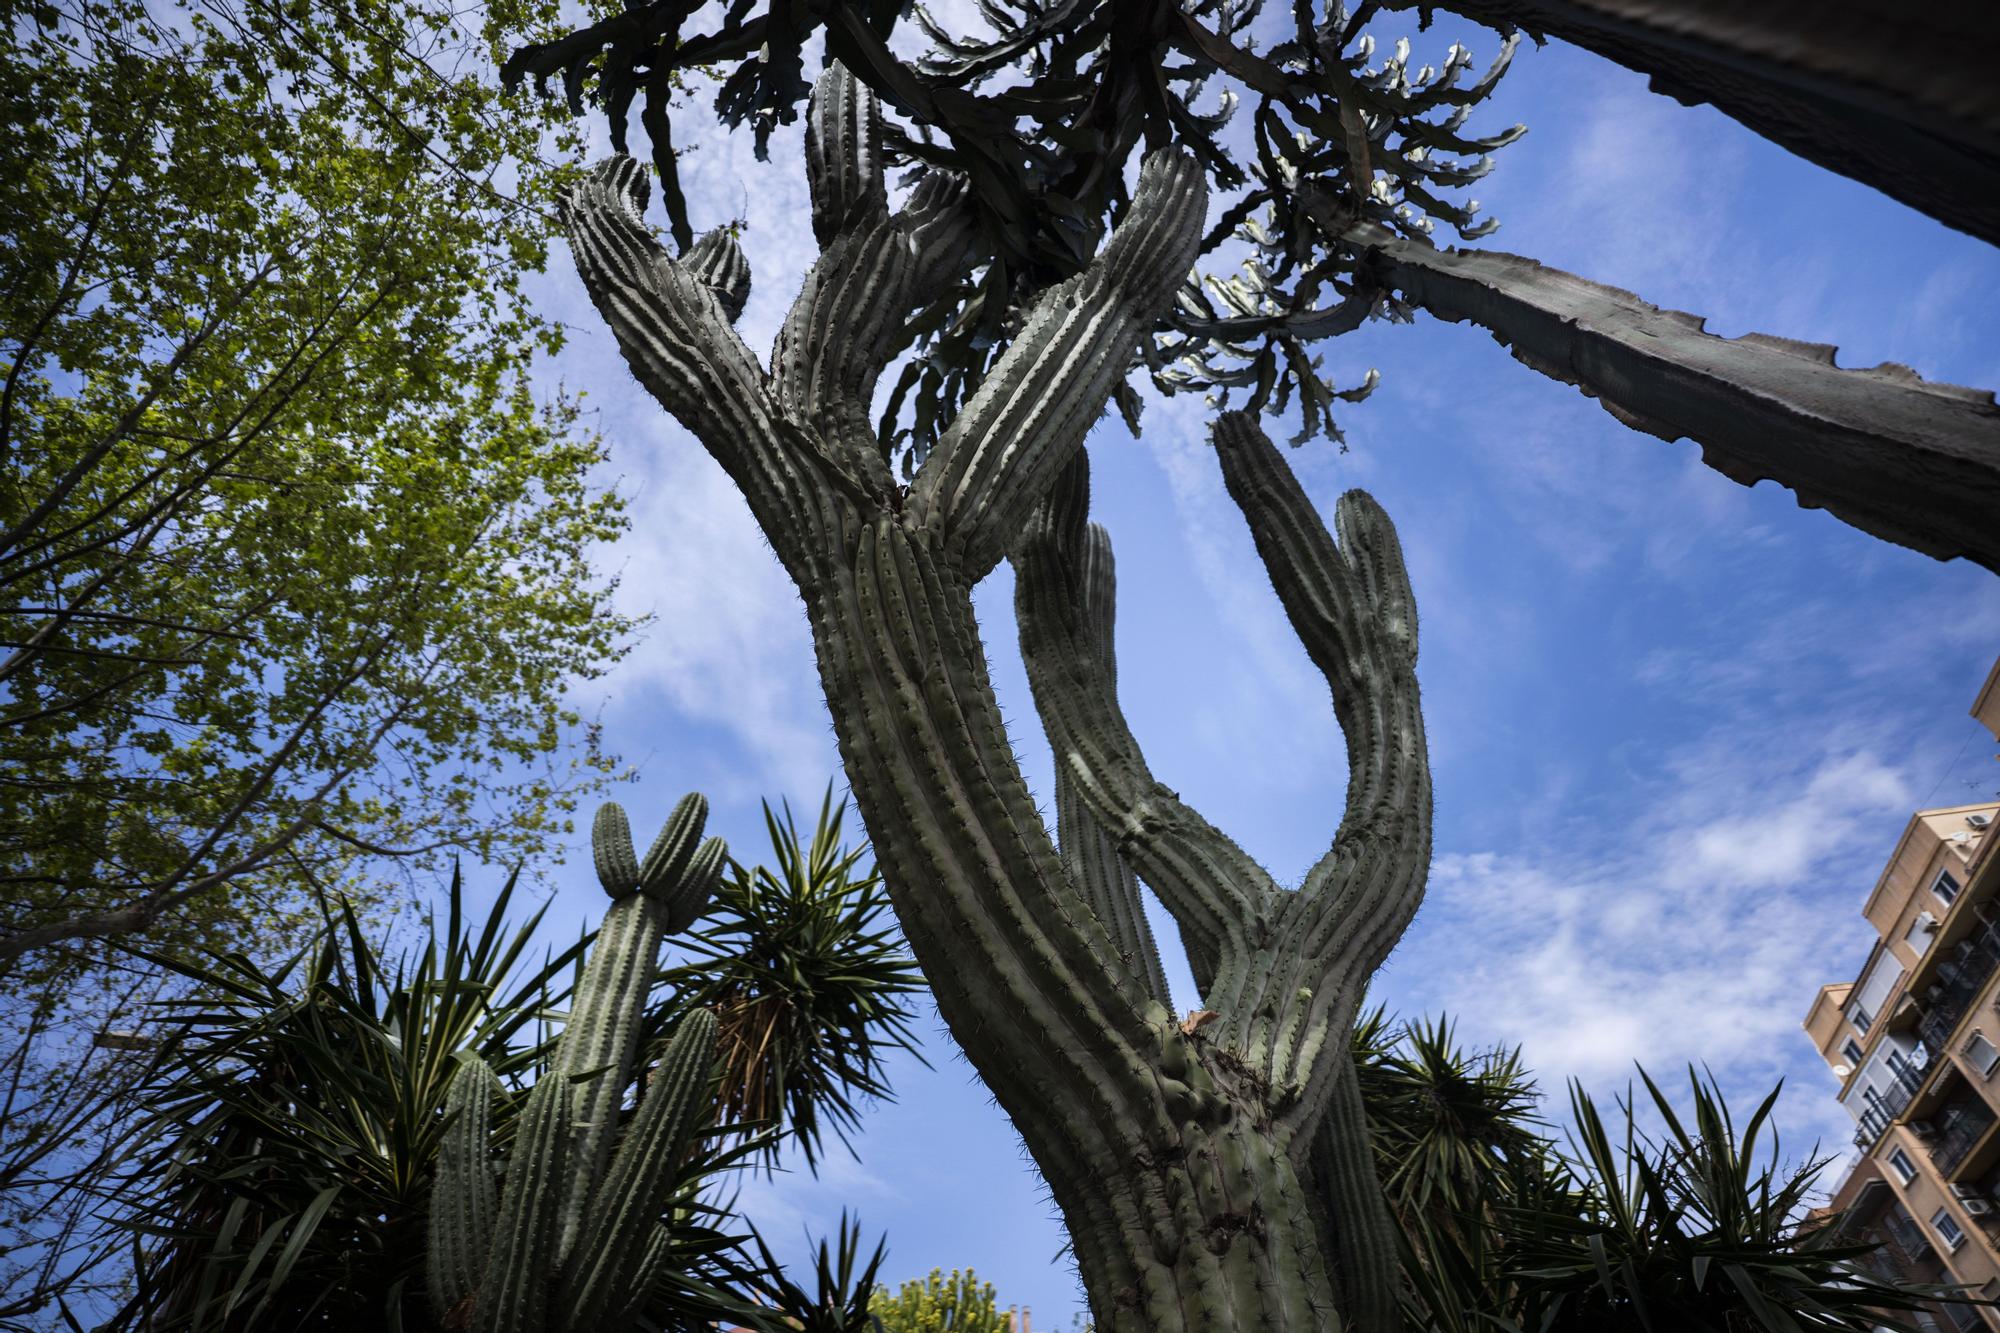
(282, 1173)
(278, 1173)
(807, 975)
(1697, 1227)
(843, 1287)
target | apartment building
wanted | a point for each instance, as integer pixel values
(1915, 1042)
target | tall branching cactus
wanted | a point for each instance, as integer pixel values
(1214, 1173)
(572, 1239)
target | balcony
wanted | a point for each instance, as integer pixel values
(1905, 1243)
(1960, 1127)
(1960, 979)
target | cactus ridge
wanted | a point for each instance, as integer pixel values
(688, 899)
(611, 849)
(516, 1259)
(514, 1295)
(466, 1195)
(603, 1036)
(612, 1246)
(666, 860)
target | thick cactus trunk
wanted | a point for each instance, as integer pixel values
(1210, 1171)
(1184, 1212)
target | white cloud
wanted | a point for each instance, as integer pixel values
(1691, 930)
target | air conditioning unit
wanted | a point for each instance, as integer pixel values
(1961, 838)
(1964, 1192)
(1976, 1207)
(1979, 821)
(1923, 1129)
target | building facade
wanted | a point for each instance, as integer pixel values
(1915, 1042)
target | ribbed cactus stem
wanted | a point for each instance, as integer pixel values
(686, 897)
(517, 1260)
(603, 1033)
(619, 1215)
(1175, 1153)
(611, 850)
(521, 1271)
(466, 1194)
(667, 859)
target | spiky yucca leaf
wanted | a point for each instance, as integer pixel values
(802, 964)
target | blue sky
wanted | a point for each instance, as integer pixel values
(1676, 724)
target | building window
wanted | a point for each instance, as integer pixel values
(1905, 1168)
(1945, 887)
(1947, 1229)
(1861, 1018)
(1852, 1052)
(1981, 1055)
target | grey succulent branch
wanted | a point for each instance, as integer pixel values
(1020, 428)
(1090, 854)
(873, 269)
(572, 1241)
(1287, 967)
(1760, 407)
(1212, 888)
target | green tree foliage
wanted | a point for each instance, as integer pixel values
(960, 1303)
(292, 561)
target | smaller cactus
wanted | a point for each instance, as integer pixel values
(572, 1240)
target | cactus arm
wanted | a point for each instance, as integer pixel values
(718, 263)
(666, 860)
(844, 156)
(874, 269)
(1357, 1230)
(1107, 884)
(601, 1039)
(1352, 608)
(612, 1247)
(1899, 458)
(1090, 855)
(675, 334)
(603, 1032)
(1211, 887)
(514, 1293)
(653, 1262)
(464, 1196)
(1005, 448)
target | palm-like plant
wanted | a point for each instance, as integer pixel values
(288, 1140)
(1697, 1228)
(807, 975)
(1693, 1229)
(281, 1175)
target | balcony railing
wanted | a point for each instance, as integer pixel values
(1905, 1240)
(1960, 979)
(1959, 1126)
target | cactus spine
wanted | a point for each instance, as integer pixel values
(573, 1241)
(1182, 1155)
